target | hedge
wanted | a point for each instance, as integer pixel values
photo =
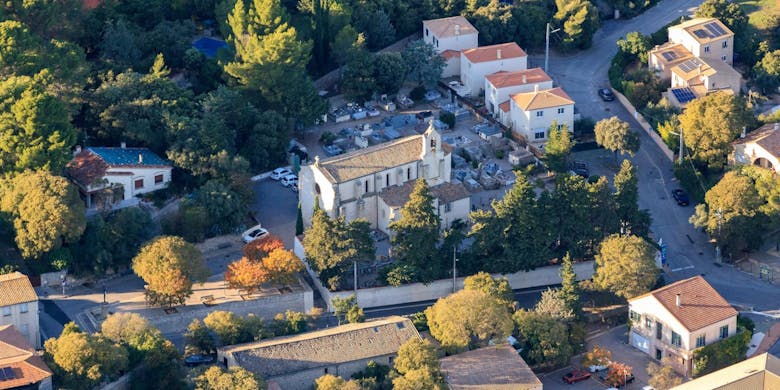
(721, 354)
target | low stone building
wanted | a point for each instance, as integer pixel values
(490, 368)
(295, 362)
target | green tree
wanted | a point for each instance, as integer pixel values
(123, 327)
(299, 221)
(570, 288)
(120, 47)
(558, 148)
(568, 222)
(495, 23)
(61, 19)
(767, 71)
(357, 77)
(635, 44)
(731, 214)
(496, 288)
(345, 41)
(580, 20)
(545, 340)
(45, 211)
(552, 304)
(35, 129)
(510, 234)
(110, 242)
(457, 326)
(416, 354)
(332, 382)
(418, 379)
(198, 339)
(602, 210)
(616, 135)
(216, 378)
(225, 208)
(228, 327)
(626, 266)
(417, 234)
(81, 361)
(423, 64)
(346, 310)
(709, 125)
(377, 26)
(389, 72)
(632, 220)
(169, 266)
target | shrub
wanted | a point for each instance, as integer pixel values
(327, 138)
(584, 126)
(448, 118)
(499, 154)
(418, 93)
(721, 354)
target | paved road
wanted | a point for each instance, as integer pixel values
(689, 252)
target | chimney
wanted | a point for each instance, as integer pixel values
(457, 29)
(140, 158)
(536, 88)
(498, 54)
(78, 149)
(524, 79)
(678, 300)
(123, 144)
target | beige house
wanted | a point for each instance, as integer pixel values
(450, 36)
(676, 319)
(499, 86)
(707, 74)
(532, 113)
(451, 201)
(20, 367)
(705, 38)
(479, 62)
(19, 304)
(295, 362)
(759, 147)
(351, 185)
(490, 368)
(761, 372)
(663, 58)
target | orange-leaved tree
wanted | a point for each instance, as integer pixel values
(258, 249)
(279, 266)
(618, 373)
(246, 274)
(282, 265)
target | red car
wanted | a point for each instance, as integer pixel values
(576, 376)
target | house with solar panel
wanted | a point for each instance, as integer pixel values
(20, 367)
(697, 60)
(19, 304)
(115, 177)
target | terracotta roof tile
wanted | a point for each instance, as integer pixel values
(520, 77)
(700, 304)
(489, 368)
(449, 54)
(17, 354)
(504, 106)
(86, 168)
(449, 27)
(542, 99)
(765, 136)
(16, 288)
(372, 159)
(398, 195)
(491, 53)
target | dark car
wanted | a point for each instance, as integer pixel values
(196, 360)
(576, 376)
(681, 197)
(606, 94)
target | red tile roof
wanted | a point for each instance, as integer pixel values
(520, 77)
(494, 52)
(766, 136)
(700, 304)
(450, 27)
(449, 54)
(17, 354)
(546, 98)
(86, 168)
(504, 106)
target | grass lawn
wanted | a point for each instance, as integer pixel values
(760, 11)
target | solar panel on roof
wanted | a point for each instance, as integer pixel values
(9, 373)
(669, 55)
(683, 95)
(701, 33)
(2, 376)
(715, 29)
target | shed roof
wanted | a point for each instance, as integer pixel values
(323, 348)
(15, 288)
(546, 98)
(449, 27)
(493, 368)
(498, 52)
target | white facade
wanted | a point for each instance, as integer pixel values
(472, 74)
(23, 316)
(757, 148)
(450, 36)
(398, 162)
(497, 94)
(534, 123)
(720, 48)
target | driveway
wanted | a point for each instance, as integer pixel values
(689, 252)
(275, 206)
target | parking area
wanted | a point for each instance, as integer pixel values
(613, 340)
(275, 207)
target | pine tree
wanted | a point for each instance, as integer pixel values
(570, 288)
(627, 199)
(558, 148)
(417, 233)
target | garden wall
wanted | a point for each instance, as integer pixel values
(644, 125)
(416, 292)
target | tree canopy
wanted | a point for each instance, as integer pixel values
(217, 378)
(626, 266)
(616, 135)
(417, 234)
(169, 266)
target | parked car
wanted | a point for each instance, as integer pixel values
(254, 233)
(596, 368)
(279, 173)
(196, 360)
(576, 376)
(606, 94)
(681, 197)
(289, 180)
(294, 188)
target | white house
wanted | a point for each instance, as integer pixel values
(759, 147)
(532, 113)
(450, 36)
(705, 38)
(120, 173)
(479, 62)
(351, 185)
(499, 86)
(678, 318)
(19, 304)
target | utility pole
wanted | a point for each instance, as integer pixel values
(547, 45)
(454, 271)
(718, 257)
(682, 146)
(355, 277)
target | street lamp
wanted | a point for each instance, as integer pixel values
(547, 45)
(682, 145)
(454, 270)
(718, 258)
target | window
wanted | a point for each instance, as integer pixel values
(387, 179)
(158, 179)
(561, 110)
(326, 370)
(447, 207)
(648, 323)
(6, 311)
(408, 173)
(539, 134)
(723, 58)
(139, 183)
(365, 186)
(317, 188)
(724, 331)
(658, 354)
(560, 127)
(426, 32)
(676, 341)
(700, 341)
(433, 144)
(23, 308)
(725, 44)
(706, 49)
(540, 113)
(634, 316)
(659, 330)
